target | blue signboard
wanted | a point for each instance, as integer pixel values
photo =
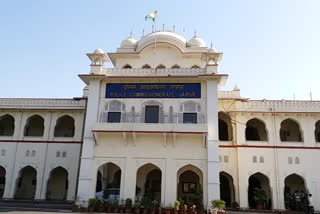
(153, 90)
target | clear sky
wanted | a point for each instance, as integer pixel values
(270, 47)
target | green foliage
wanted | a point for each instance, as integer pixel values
(128, 202)
(259, 195)
(92, 202)
(146, 201)
(218, 204)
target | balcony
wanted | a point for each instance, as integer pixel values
(151, 128)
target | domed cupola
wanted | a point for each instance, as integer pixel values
(196, 41)
(130, 42)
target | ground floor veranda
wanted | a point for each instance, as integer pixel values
(29, 183)
(187, 181)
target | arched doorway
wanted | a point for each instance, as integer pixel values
(2, 180)
(290, 131)
(149, 182)
(259, 185)
(26, 183)
(293, 184)
(256, 130)
(190, 182)
(226, 188)
(108, 182)
(57, 188)
(225, 128)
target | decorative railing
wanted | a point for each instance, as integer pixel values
(153, 72)
(42, 103)
(279, 106)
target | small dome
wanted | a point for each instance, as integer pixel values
(212, 50)
(130, 42)
(196, 42)
(98, 51)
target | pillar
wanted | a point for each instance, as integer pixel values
(213, 141)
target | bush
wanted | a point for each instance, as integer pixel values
(218, 204)
(128, 202)
(92, 202)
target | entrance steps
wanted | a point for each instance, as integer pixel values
(35, 205)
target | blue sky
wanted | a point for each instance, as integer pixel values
(271, 47)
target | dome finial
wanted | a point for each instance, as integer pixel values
(131, 33)
(174, 28)
(195, 33)
(143, 32)
(163, 27)
(211, 45)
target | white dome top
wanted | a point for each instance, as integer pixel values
(130, 42)
(98, 51)
(196, 42)
(212, 50)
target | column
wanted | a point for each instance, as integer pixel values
(130, 178)
(171, 182)
(213, 141)
(87, 173)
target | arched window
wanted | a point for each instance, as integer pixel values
(195, 66)
(225, 128)
(317, 131)
(261, 159)
(3, 152)
(290, 131)
(64, 127)
(34, 126)
(33, 153)
(190, 112)
(226, 159)
(58, 154)
(64, 154)
(152, 112)
(127, 66)
(289, 160)
(146, 66)
(160, 66)
(27, 153)
(254, 159)
(297, 160)
(175, 66)
(6, 125)
(256, 130)
(114, 112)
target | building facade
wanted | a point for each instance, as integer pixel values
(157, 125)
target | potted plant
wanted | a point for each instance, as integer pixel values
(193, 209)
(92, 203)
(128, 204)
(185, 208)
(168, 209)
(154, 206)
(176, 206)
(218, 205)
(75, 206)
(259, 196)
(137, 207)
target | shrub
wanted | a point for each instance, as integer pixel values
(218, 204)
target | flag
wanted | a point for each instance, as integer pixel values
(151, 16)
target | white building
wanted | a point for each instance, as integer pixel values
(157, 124)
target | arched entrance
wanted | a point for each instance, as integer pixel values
(226, 188)
(259, 192)
(190, 182)
(149, 182)
(108, 182)
(2, 180)
(26, 183)
(57, 188)
(293, 184)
